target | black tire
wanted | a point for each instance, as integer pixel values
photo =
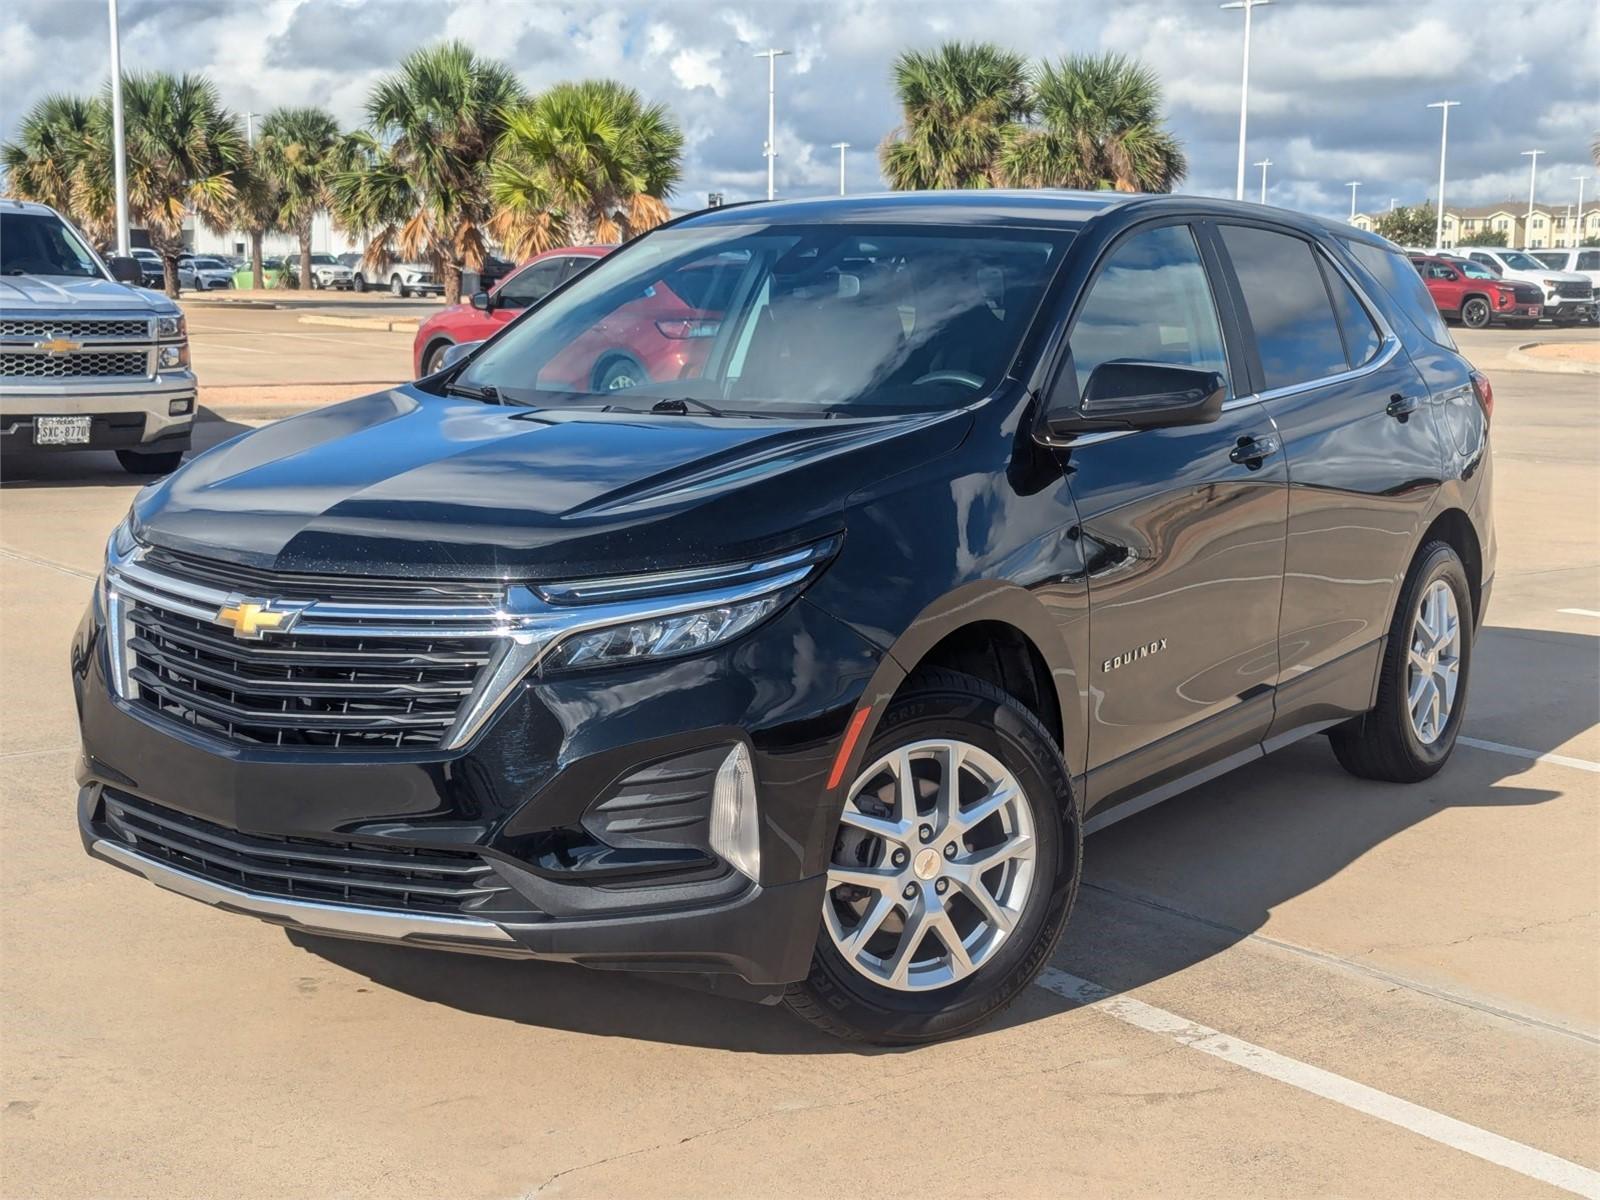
(838, 999)
(316, 282)
(433, 360)
(1476, 313)
(162, 463)
(618, 373)
(1382, 744)
(397, 287)
(358, 284)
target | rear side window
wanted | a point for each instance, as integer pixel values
(1405, 288)
(1296, 331)
(1150, 302)
(1589, 260)
(1361, 336)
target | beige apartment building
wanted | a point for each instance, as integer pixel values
(1553, 225)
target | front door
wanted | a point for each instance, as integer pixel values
(1183, 536)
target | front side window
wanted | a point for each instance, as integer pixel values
(1296, 331)
(1474, 270)
(1589, 260)
(798, 319)
(530, 286)
(1150, 302)
(41, 244)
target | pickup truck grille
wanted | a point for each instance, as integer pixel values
(417, 879)
(24, 327)
(96, 363)
(344, 673)
(1573, 290)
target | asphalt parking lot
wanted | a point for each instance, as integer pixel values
(1285, 983)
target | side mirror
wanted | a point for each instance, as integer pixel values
(483, 301)
(1124, 395)
(125, 269)
(454, 354)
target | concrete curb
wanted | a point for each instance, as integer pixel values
(383, 324)
(1553, 366)
(208, 302)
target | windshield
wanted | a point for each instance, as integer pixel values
(325, 260)
(208, 264)
(42, 244)
(807, 319)
(1473, 270)
(1518, 261)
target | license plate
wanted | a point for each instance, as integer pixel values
(1534, 310)
(61, 431)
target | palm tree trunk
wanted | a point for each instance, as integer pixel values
(305, 256)
(452, 283)
(257, 278)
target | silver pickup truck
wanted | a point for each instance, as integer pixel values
(87, 362)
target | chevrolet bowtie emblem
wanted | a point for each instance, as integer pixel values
(251, 621)
(56, 345)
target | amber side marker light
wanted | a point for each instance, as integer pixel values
(848, 746)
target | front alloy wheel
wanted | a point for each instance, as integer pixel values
(952, 871)
(1475, 313)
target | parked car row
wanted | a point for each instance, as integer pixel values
(1512, 287)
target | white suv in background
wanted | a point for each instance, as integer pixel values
(1583, 260)
(1568, 296)
(327, 271)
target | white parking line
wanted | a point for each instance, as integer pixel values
(1447, 1131)
(1560, 760)
(1579, 612)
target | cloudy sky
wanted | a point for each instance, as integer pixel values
(1338, 91)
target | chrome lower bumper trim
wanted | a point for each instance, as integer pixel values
(371, 924)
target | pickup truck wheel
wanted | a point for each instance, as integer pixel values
(1475, 313)
(397, 287)
(1422, 684)
(953, 870)
(163, 463)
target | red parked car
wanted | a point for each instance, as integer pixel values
(488, 311)
(1470, 293)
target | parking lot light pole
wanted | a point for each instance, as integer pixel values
(1444, 140)
(1244, 87)
(119, 150)
(1353, 185)
(1533, 179)
(1577, 236)
(1264, 164)
(771, 150)
(841, 147)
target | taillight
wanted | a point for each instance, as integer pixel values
(680, 330)
(1484, 392)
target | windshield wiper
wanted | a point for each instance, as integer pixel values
(488, 392)
(680, 405)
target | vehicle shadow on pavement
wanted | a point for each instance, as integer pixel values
(28, 468)
(1162, 891)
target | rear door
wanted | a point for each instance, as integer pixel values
(1364, 457)
(1181, 530)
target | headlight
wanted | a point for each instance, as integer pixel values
(171, 327)
(169, 357)
(672, 613)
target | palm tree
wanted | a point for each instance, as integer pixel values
(45, 162)
(1098, 126)
(257, 205)
(297, 153)
(186, 156)
(418, 183)
(958, 104)
(586, 161)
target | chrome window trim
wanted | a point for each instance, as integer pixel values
(527, 626)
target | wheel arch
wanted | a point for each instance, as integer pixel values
(1454, 527)
(438, 340)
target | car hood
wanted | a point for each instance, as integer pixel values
(71, 291)
(1528, 274)
(406, 483)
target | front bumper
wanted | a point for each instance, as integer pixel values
(132, 414)
(567, 796)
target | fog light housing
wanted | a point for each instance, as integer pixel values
(173, 356)
(179, 408)
(735, 826)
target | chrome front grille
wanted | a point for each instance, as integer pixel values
(402, 672)
(134, 328)
(96, 363)
(387, 876)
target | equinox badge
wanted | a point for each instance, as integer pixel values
(251, 620)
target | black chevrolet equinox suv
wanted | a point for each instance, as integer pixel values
(922, 536)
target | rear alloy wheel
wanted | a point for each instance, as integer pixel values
(359, 283)
(618, 375)
(952, 872)
(397, 287)
(1475, 313)
(1422, 687)
(434, 363)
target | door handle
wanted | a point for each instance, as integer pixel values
(1400, 407)
(1253, 451)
